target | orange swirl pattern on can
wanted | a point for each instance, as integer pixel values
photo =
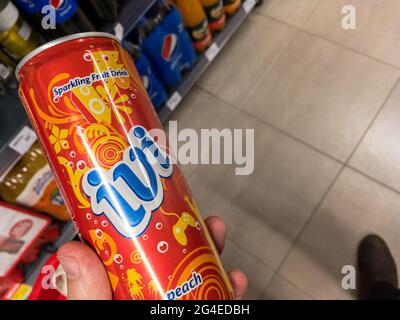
(203, 261)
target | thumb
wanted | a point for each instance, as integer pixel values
(86, 276)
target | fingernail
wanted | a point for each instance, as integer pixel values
(70, 266)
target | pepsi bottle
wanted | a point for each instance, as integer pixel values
(150, 80)
(34, 16)
(166, 42)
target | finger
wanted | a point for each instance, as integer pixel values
(239, 282)
(217, 228)
(86, 276)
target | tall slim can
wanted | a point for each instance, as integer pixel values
(126, 196)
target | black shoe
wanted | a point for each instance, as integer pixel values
(376, 266)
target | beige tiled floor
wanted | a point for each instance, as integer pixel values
(376, 23)
(293, 12)
(234, 75)
(281, 289)
(322, 93)
(324, 105)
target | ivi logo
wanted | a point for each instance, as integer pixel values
(132, 189)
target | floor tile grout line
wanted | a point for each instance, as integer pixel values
(352, 49)
(277, 274)
(378, 112)
(346, 163)
(269, 68)
(313, 213)
(310, 14)
(298, 140)
(251, 254)
(253, 88)
(274, 270)
(267, 285)
(365, 175)
(294, 285)
(301, 29)
(266, 15)
(277, 129)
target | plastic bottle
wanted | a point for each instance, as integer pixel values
(150, 80)
(16, 35)
(215, 14)
(31, 184)
(70, 18)
(166, 42)
(231, 6)
(195, 20)
(32, 13)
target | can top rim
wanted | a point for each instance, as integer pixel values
(58, 41)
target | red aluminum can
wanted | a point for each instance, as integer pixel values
(127, 198)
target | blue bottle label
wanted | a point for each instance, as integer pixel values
(65, 9)
(28, 6)
(170, 49)
(151, 82)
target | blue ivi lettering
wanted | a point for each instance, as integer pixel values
(132, 189)
(131, 179)
(107, 192)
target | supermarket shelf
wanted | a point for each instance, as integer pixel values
(32, 274)
(129, 16)
(205, 59)
(68, 233)
(13, 119)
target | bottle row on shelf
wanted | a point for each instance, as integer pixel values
(164, 43)
(27, 24)
(31, 198)
(167, 38)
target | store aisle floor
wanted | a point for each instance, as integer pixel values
(325, 106)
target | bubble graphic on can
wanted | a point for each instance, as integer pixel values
(118, 259)
(159, 225)
(162, 247)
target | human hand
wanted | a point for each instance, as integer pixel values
(87, 277)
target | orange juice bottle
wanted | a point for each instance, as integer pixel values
(196, 22)
(215, 14)
(231, 6)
